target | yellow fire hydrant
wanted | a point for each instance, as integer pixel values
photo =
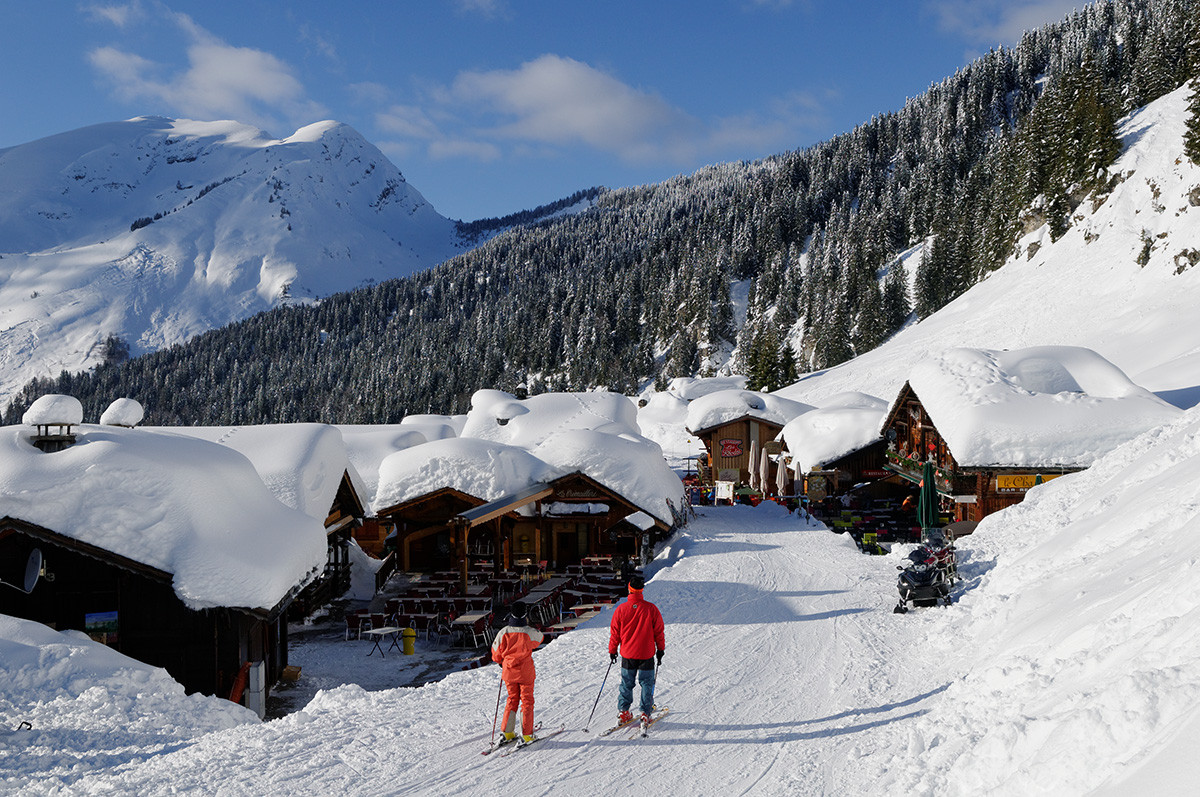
(409, 640)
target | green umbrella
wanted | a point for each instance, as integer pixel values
(927, 500)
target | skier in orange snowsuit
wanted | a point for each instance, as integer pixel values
(513, 651)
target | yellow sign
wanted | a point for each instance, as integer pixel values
(1020, 481)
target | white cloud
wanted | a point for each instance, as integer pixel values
(990, 22)
(553, 103)
(220, 81)
(119, 15)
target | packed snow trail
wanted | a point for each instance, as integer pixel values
(782, 657)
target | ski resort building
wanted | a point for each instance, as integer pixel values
(734, 427)
(168, 548)
(997, 423)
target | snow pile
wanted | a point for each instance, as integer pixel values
(54, 409)
(123, 412)
(1039, 407)
(1085, 289)
(844, 423)
(1079, 645)
(90, 709)
(367, 446)
(185, 506)
(723, 406)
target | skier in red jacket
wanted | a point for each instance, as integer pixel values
(513, 649)
(636, 631)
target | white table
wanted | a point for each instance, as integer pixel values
(380, 633)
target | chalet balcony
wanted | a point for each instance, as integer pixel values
(911, 468)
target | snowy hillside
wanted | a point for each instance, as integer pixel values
(1085, 289)
(155, 230)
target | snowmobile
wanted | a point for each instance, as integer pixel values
(935, 547)
(922, 582)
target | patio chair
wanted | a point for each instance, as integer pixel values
(353, 625)
(378, 619)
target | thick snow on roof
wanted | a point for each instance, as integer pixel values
(367, 446)
(182, 505)
(301, 463)
(482, 468)
(629, 465)
(123, 412)
(690, 388)
(845, 423)
(529, 422)
(723, 406)
(53, 408)
(1037, 407)
(663, 421)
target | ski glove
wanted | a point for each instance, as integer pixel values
(612, 658)
(658, 656)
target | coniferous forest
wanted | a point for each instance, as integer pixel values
(639, 287)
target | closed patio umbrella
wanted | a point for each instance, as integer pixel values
(927, 500)
(764, 471)
(780, 475)
(752, 462)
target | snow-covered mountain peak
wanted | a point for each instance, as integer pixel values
(156, 229)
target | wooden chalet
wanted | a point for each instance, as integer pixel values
(865, 464)
(421, 530)
(727, 448)
(969, 493)
(584, 518)
(133, 608)
(345, 516)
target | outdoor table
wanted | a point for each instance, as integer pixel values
(589, 609)
(466, 623)
(379, 633)
(570, 623)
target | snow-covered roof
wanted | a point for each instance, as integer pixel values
(724, 406)
(184, 506)
(629, 465)
(690, 388)
(843, 424)
(301, 463)
(530, 421)
(482, 468)
(369, 445)
(1044, 406)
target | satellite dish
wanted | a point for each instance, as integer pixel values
(33, 569)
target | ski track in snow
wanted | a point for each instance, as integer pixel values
(784, 664)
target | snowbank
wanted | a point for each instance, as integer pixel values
(502, 418)
(185, 506)
(1044, 406)
(89, 708)
(1079, 644)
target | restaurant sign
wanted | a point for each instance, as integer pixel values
(731, 447)
(1019, 482)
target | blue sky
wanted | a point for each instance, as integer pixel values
(493, 106)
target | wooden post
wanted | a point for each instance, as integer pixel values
(462, 527)
(497, 550)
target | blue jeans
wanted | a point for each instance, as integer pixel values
(625, 692)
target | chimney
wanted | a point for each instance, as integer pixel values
(53, 416)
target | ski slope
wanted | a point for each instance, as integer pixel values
(781, 653)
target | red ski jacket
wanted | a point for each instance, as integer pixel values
(636, 628)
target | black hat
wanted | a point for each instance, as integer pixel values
(637, 582)
(518, 611)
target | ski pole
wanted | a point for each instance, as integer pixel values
(497, 717)
(602, 683)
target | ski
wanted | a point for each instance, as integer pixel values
(658, 712)
(644, 727)
(502, 741)
(522, 745)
